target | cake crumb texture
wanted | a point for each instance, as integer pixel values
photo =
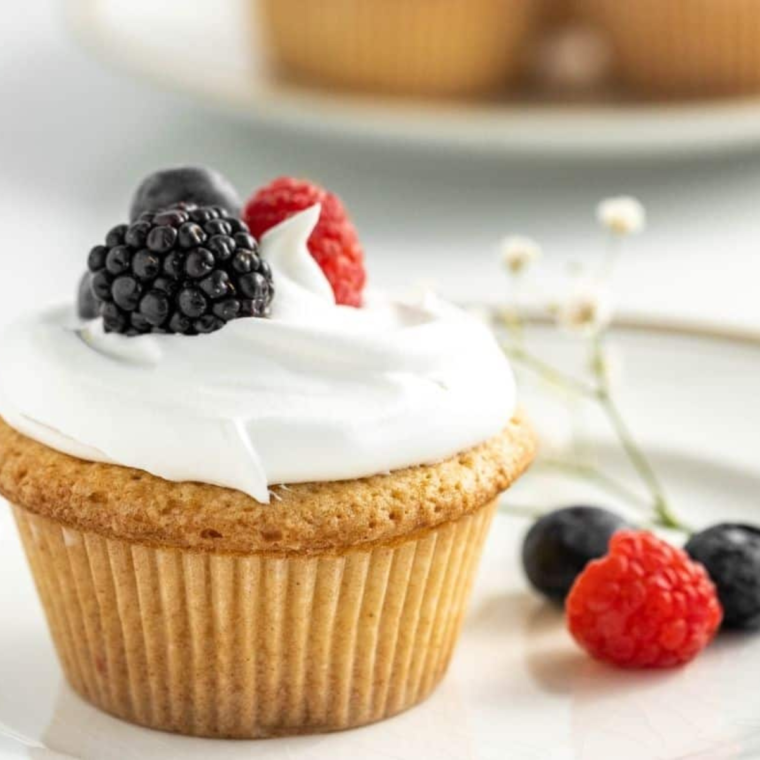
(308, 518)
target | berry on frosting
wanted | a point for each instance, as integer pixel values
(560, 545)
(731, 554)
(188, 184)
(644, 605)
(334, 243)
(187, 269)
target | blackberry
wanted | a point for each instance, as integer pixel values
(185, 269)
(730, 553)
(560, 545)
(189, 184)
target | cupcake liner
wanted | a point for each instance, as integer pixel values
(250, 646)
(683, 47)
(440, 47)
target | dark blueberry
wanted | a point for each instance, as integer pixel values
(162, 239)
(218, 227)
(730, 553)
(199, 185)
(216, 285)
(140, 323)
(171, 218)
(245, 261)
(118, 260)
(115, 235)
(222, 246)
(254, 286)
(87, 304)
(245, 240)
(155, 307)
(199, 263)
(146, 265)
(101, 285)
(192, 303)
(191, 234)
(227, 309)
(560, 545)
(208, 323)
(137, 234)
(180, 324)
(126, 292)
(97, 258)
(174, 265)
(114, 319)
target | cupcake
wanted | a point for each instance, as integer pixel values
(249, 510)
(425, 47)
(683, 47)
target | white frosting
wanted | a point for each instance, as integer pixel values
(318, 392)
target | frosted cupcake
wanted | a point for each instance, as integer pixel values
(261, 519)
(683, 47)
(424, 47)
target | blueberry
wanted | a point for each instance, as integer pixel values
(730, 553)
(560, 545)
(199, 185)
(126, 292)
(87, 304)
(192, 303)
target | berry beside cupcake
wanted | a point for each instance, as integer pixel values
(252, 494)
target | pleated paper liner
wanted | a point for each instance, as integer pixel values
(253, 646)
(692, 48)
(425, 47)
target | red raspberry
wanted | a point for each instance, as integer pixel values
(644, 605)
(333, 243)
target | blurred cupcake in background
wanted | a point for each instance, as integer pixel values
(420, 47)
(682, 47)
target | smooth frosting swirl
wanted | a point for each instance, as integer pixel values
(317, 392)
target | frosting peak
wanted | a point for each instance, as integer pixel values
(317, 392)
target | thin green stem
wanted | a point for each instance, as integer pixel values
(548, 372)
(594, 474)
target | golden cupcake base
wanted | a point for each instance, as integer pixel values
(257, 645)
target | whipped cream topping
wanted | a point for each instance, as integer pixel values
(317, 392)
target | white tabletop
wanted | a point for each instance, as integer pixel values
(76, 137)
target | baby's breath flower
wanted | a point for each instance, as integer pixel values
(622, 216)
(587, 311)
(517, 253)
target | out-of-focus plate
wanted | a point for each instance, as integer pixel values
(518, 687)
(207, 51)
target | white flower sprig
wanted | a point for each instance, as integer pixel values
(622, 216)
(587, 311)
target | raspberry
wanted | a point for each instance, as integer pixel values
(334, 243)
(644, 605)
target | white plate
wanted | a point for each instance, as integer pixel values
(205, 50)
(518, 687)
